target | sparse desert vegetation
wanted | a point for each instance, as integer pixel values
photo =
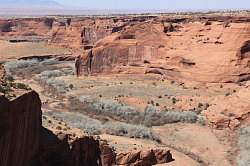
(143, 81)
(96, 127)
(244, 147)
(99, 107)
(19, 64)
(38, 69)
(150, 116)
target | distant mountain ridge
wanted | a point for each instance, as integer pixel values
(29, 4)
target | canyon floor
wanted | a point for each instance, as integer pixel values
(190, 143)
(133, 110)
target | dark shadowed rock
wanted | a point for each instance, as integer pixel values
(20, 122)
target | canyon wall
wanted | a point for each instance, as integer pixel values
(199, 49)
(206, 52)
(25, 26)
(25, 142)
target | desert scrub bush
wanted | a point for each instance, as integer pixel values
(48, 74)
(49, 79)
(156, 118)
(202, 121)
(174, 100)
(9, 78)
(114, 109)
(95, 127)
(78, 120)
(51, 61)
(5, 89)
(20, 86)
(128, 130)
(68, 71)
(59, 86)
(19, 64)
(201, 107)
(244, 145)
(84, 99)
(120, 112)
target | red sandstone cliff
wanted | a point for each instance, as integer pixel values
(20, 129)
(25, 142)
(187, 51)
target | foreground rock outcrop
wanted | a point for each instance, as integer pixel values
(20, 127)
(25, 142)
(144, 158)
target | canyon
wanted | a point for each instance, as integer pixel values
(125, 90)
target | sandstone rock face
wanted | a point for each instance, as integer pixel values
(244, 51)
(144, 158)
(5, 26)
(20, 129)
(25, 27)
(229, 111)
(185, 51)
(86, 151)
(108, 156)
(84, 32)
(2, 73)
(132, 45)
(24, 142)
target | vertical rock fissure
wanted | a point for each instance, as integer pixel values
(90, 60)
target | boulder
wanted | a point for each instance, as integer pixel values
(144, 158)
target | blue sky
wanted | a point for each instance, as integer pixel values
(158, 4)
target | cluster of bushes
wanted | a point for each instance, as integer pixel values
(96, 127)
(5, 89)
(45, 71)
(20, 86)
(78, 120)
(51, 61)
(129, 130)
(50, 73)
(150, 116)
(35, 63)
(157, 118)
(19, 64)
(49, 78)
(58, 86)
(9, 84)
(244, 144)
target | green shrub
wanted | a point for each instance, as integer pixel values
(21, 86)
(174, 100)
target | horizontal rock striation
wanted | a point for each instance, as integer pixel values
(187, 51)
